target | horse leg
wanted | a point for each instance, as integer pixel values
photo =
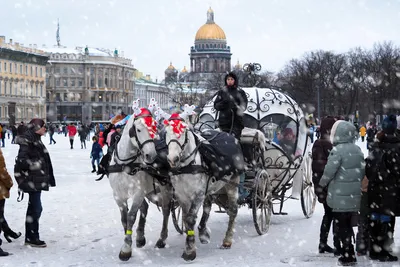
(126, 250)
(140, 238)
(166, 210)
(189, 253)
(204, 232)
(232, 210)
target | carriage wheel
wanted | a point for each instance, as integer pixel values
(177, 218)
(262, 202)
(308, 196)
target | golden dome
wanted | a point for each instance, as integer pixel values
(210, 30)
(170, 67)
(184, 69)
(238, 65)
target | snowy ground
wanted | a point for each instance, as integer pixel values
(81, 225)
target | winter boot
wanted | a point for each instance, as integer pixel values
(10, 233)
(3, 253)
(348, 257)
(35, 243)
(323, 235)
(374, 245)
(385, 234)
(94, 169)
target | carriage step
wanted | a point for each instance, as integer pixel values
(280, 213)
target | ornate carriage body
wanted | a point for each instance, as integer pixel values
(287, 162)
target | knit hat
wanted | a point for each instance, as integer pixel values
(287, 131)
(36, 124)
(389, 124)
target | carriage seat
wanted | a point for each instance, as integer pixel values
(252, 136)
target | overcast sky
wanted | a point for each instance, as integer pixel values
(154, 32)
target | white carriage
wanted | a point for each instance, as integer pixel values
(286, 166)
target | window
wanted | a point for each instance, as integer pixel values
(100, 82)
(16, 89)
(80, 69)
(5, 88)
(15, 68)
(57, 70)
(31, 71)
(41, 90)
(92, 71)
(21, 90)
(11, 88)
(100, 97)
(47, 80)
(37, 90)
(65, 82)
(65, 70)
(65, 96)
(41, 72)
(72, 82)
(5, 66)
(10, 67)
(20, 69)
(26, 70)
(80, 82)
(58, 82)
(36, 72)
(106, 82)
(0, 88)
(92, 82)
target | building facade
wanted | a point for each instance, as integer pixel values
(22, 82)
(88, 84)
(146, 89)
(210, 53)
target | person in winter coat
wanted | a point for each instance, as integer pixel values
(383, 173)
(34, 173)
(362, 237)
(231, 102)
(371, 132)
(342, 174)
(5, 185)
(320, 152)
(363, 132)
(82, 136)
(96, 153)
(52, 129)
(14, 133)
(71, 134)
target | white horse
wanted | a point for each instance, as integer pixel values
(129, 180)
(193, 186)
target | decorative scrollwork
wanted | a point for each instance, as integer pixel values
(251, 77)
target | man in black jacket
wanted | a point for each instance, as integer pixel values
(34, 173)
(231, 102)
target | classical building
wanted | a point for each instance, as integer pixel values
(145, 89)
(22, 82)
(210, 53)
(88, 84)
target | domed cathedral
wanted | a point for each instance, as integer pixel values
(171, 74)
(210, 54)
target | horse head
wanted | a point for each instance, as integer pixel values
(142, 131)
(176, 139)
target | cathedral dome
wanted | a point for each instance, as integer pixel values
(210, 30)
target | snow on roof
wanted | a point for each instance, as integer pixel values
(99, 52)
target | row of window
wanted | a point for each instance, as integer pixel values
(21, 89)
(78, 70)
(19, 68)
(23, 112)
(205, 46)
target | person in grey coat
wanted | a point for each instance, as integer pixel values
(343, 174)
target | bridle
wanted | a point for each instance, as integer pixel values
(133, 134)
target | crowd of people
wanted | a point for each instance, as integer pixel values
(358, 191)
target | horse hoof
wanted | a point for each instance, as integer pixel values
(140, 243)
(204, 239)
(189, 257)
(226, 245)
(160, 244)
(125, 256)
